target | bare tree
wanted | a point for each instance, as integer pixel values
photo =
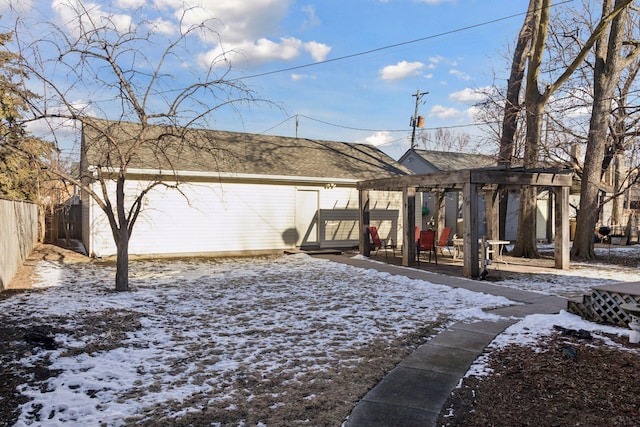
(624, 132)
(566, 125)
(126, 74)
(512, 105)
(447, 140)
(611, 59)
(535, 103)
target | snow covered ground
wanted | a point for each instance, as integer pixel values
(196, 326)
(581, 277)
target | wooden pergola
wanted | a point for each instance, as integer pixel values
(473, 183)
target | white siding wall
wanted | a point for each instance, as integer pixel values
(212, 218)
(417, 164)
(228, 218)
(389, 225)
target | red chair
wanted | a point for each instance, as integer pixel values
(443, 241)
(427, 243)
(376, 242)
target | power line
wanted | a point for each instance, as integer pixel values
(275, 126)
(391, 46)
(401, 130)
(352, 128)
(379, 130)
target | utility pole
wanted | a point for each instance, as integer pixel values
(416, 121)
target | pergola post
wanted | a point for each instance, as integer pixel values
(408, 225)
(561, 243)
(470, 229)
(364, 216)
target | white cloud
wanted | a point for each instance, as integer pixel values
(468, 95)
(162, 26)
(312, 19)
(130, 4)
(378, 139)
(237, 21)
(471, 113)
(244, 32)
(91, 14)
(296, 76)
(441, 112)
(60, 128)
(435, 61)
(253, 53)
(265, 49)
(318, 51)
(460, 74)
(401, 70)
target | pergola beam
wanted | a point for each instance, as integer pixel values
(454, 180)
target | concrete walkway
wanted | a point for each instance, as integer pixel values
(413, 393)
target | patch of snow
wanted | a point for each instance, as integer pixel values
(204, 322)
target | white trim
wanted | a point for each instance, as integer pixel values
(248, 176)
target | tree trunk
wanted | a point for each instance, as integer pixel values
(534, 103)
(618, 184)
(122, 261)
(514, 86)
(525, 245)
(589, 210)
(512, 109)
(606, 75)
(122, 240)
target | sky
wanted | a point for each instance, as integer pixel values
(367, 59)
(204, 325)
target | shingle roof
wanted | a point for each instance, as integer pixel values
(234, 152)
(450, 161)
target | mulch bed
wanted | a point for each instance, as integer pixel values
(547, 386)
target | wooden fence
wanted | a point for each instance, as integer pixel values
(18, 235)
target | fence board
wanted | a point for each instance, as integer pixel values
(18, 235)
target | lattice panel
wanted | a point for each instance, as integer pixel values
(605, 307)
(580, 309)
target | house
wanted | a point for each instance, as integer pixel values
(428, 161)
(239, 193)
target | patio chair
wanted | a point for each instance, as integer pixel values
(427, 243)
(443, 241)
(376, 242)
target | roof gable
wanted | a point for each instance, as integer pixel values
(201, 150)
